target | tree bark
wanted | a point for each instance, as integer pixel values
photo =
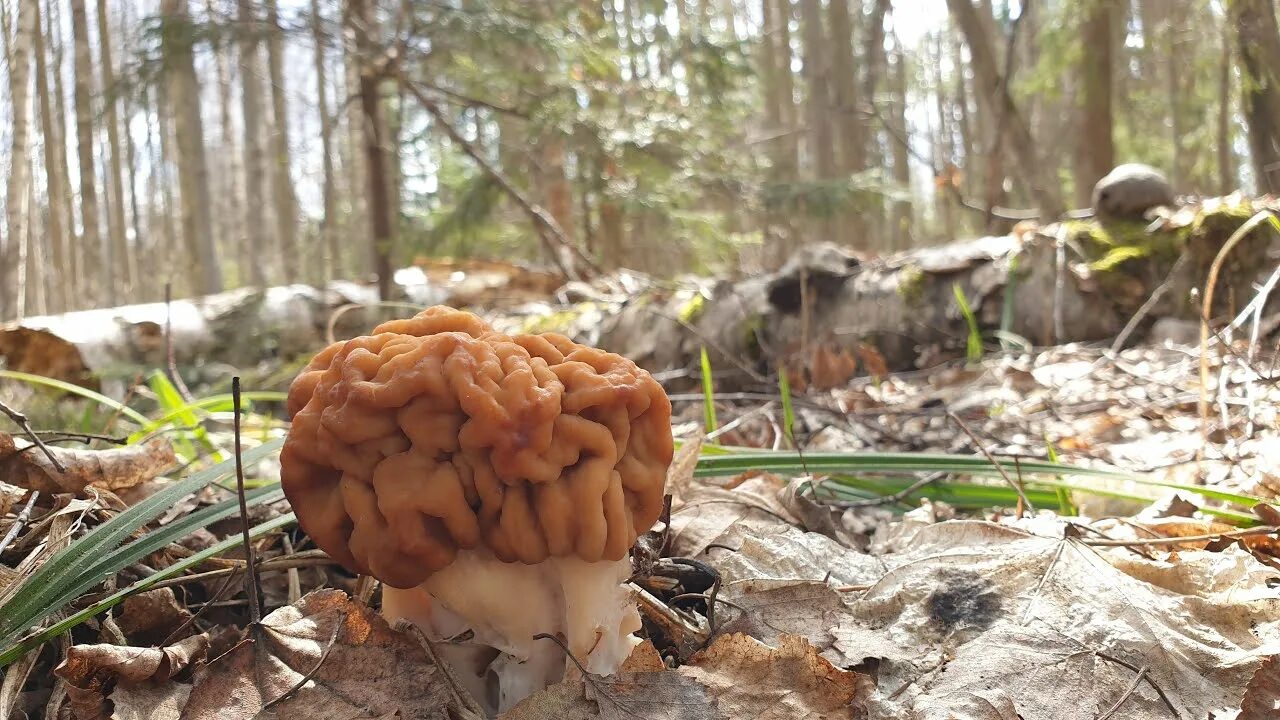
(900, 219)
(251, 120)
(17, 210)
(355, 172)
(359, 24)
(286, 210)
(1226, 153)
(55, 169)
(1259, 51)
(228, 225)
(204, 273)
(821, 141)
(843, 77)
(331, 265)
(991, 82)
(90, 239)
(1095, 148)
(121, 283)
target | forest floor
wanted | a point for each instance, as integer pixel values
(1063, 533)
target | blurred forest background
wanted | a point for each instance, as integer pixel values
(215, 144)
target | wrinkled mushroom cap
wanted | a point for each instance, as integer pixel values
(436, 434)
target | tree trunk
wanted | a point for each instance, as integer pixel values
(1095, 149)
(204, 274)
(55, 46)
(251, 120)
(90, 239)
(55, 168)
(1259, 50)
(843, 75)
(1225, 148)
(356, 173)
(228, 225)
(821, 141)
(900, 219)
(331, 266)
(991, 82)
(286, 202)
(17, 212)
(121, 283)
(360, 23)
(775, 73)
(169, 254)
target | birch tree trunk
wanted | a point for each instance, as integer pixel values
(286, 203)
(330, 267)
(55, 168)
(17, 212)
(204, 273)
(90, 238)
(251, 120)
(901, 216)
(121, 283)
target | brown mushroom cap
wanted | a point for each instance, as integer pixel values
(436, 434)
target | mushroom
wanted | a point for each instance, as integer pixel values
(494, 484)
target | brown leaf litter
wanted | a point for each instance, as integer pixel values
(23, 465)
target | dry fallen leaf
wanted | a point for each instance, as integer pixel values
(736, 677)
(767, 611)
(23, 465)
(326, 657)
(1262, 696)
(149, 617)
(967, 609)
(107, 681)
(752, 680)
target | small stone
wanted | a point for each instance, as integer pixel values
(1130, 190)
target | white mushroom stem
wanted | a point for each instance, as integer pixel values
(505, 605)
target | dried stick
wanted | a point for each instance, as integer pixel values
(21, 421)
(255, 605)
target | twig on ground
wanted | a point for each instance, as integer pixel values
(171, 365)
(1120, 701)
(1206, 537)
(21, 421)
(20, 521)
(1017, 486)
(333, 639)
(255, 605)
(460, 694)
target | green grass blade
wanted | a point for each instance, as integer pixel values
(51, 579)
(1007, 307)
(14, 651)
(850, 463)
(99, 398)
(788, 412)
(973, 344)
(708, 394)
(172, 401)
(211, 403)
(124, 556)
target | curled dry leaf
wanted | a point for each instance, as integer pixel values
(109, 681)
(1262, 695)
(325, 657)
(112, 469)
(736, 677)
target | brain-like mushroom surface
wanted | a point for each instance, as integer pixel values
(436, 434)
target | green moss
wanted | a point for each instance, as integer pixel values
(556, 322)
(911, 284)
(691, 309)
